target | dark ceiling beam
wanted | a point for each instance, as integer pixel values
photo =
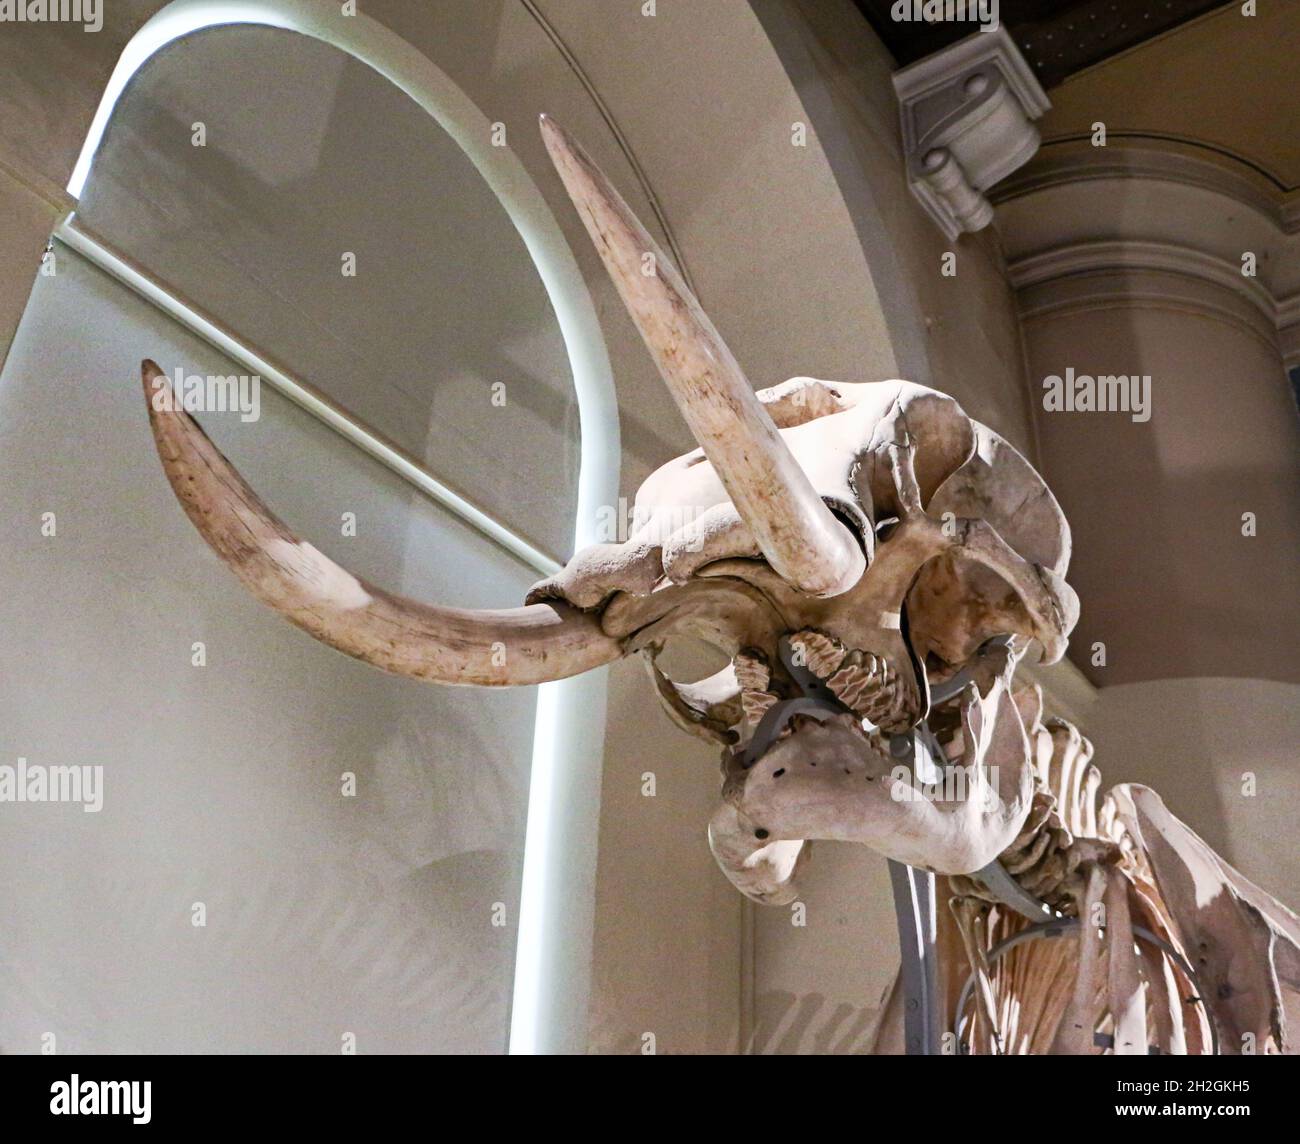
(1057, 37)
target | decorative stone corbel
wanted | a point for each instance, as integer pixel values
(967, 115)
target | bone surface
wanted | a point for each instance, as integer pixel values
(872, 566)
(447, 645)
(796, 532)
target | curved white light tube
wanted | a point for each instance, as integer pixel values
(553, 960)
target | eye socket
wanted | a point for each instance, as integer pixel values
(686, 659)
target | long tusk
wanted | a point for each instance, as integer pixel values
(510, 647)
(797, 533)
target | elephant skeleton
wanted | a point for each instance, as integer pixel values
(874, 565)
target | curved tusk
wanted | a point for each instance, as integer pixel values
(797, 533)
(503, 648)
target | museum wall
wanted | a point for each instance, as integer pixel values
(28, 219)
(811, 259)
(290, 848)
(1166, 247)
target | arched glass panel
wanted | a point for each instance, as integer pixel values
(293, 849)
(295, 195)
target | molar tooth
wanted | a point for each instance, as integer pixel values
(752, 671)
(821, 653)
(755, 705)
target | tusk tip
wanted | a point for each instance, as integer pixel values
(151, 374)
(561, 146)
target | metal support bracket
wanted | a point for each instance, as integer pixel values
(916, 912)
(915, 904)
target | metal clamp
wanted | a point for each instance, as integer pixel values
(818, 701)
(915, 908)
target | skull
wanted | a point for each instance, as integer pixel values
(962, 544)
(872, 563)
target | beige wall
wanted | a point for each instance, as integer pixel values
(27, 218)
(1172, 249)
(810, 260)
(1198, 742)
(1170, 584)
(825, 964)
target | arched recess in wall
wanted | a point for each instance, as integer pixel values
(769, 236)
(794, 31)
(550, 978)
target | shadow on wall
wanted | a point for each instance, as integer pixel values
(808, 1024)
(789, 1024)
(1222, 754)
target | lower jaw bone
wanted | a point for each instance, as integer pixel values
(829, 780)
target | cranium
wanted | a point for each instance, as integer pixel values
(872, 563)
(874, 527)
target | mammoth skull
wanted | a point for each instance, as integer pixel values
(872, 563)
